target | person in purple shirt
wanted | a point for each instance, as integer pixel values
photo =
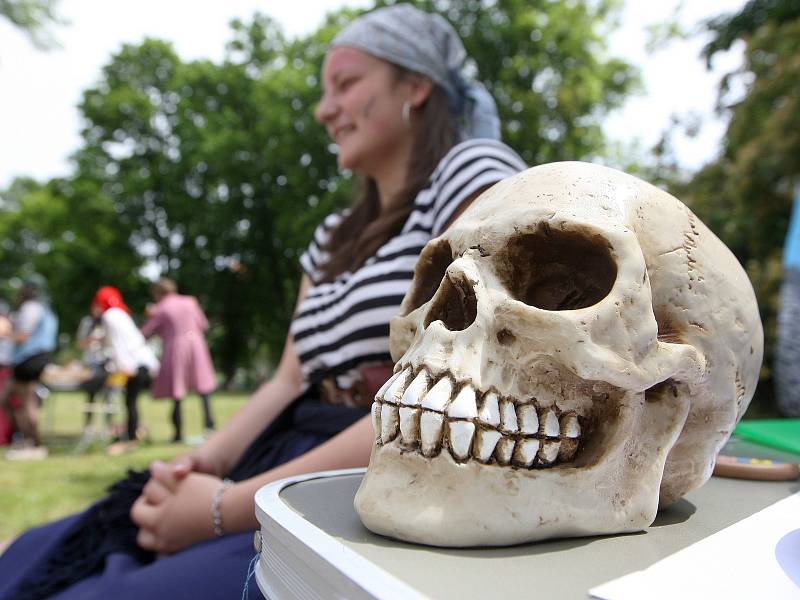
(186, 364)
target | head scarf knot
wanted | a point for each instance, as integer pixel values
(426, 43)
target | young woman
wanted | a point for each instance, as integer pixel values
(127, 350)
(406, 121)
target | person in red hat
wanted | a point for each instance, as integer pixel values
(127, 348)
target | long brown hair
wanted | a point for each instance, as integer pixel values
(367, 227)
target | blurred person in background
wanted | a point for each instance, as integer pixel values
(35, 335)
(128, 352)
(185, 361)
(90, 337)
(6, 352)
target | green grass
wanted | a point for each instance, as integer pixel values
(34, 492)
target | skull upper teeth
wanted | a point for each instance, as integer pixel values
(427, 414)
(389, 422)
(438, 397)
(396, 386)
(464, 405)
(528, 419)
(490, 411)
(413, 393)
(508, 417)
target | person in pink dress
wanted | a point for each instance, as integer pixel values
(186, 364)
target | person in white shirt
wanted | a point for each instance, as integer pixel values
(127, 348)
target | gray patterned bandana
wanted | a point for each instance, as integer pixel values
(426, 43)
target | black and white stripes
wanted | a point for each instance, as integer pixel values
(344, 324)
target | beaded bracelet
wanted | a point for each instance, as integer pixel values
(216, 503)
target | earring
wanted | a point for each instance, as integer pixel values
(406, 112)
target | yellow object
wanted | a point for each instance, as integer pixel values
(117, 380)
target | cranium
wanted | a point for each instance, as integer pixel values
(574, 350)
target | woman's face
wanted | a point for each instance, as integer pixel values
(361, 107)
(95, 310)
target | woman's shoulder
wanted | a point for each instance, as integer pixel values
(468, 168)
(31, 304)
(328, 224)
(474, 150)
(315, 255)
(30, 311)
(116, 316)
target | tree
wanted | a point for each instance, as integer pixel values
(745, 195)
(33, 17)
(68, 232)
(219, 171)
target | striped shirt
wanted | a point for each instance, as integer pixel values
(343, 325)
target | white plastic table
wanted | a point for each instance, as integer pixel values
(314, 546)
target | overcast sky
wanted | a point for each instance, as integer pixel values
(39, 91)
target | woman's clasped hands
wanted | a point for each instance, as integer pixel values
(173, 511)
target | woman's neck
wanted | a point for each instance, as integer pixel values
(392, 180)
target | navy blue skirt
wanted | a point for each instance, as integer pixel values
(35, 565)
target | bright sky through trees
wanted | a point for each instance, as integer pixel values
(39, 91)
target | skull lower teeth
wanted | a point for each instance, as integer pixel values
(428, 415)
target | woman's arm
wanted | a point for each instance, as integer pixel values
(153, 323)
(199, 316)
(350, 448)
(227, 445)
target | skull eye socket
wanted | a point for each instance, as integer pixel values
(429, 272)
(554, 269)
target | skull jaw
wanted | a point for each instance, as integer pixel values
(440, 502)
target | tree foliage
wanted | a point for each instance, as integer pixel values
(547, 65)
(33, 17)
(746, 194)
(211, 168)
(216, 174)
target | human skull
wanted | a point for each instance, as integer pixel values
(573, 350)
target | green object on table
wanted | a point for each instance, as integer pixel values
(777, 433)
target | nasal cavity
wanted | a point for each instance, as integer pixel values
(455, 303)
